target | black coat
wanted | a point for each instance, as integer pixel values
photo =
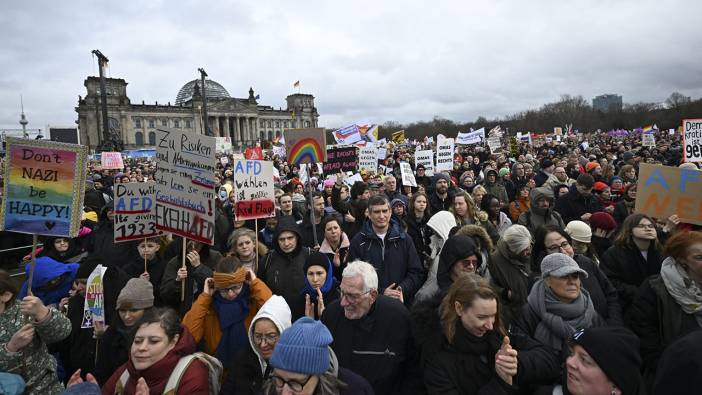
(113, 351)
(394, 258)
(573, 205)
(627, 269)
(437, 204)
(78, 349)
(156, 267)
(420, 233)
(379, 346)
(245, 377)
(602, 292)
(298, 308)
(659, 321)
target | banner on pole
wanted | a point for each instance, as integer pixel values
(253, 183)
(444, 155)
(340, 159)
(662, 191)
(43, 189)
(474, 137)
(111, 160)
(185, 184)
(134, 218)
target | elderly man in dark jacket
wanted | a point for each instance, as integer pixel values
(579, 203)
(383, 243)
(372, 334)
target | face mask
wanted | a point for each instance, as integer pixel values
(222, 195)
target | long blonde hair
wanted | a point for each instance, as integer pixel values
(465, 290)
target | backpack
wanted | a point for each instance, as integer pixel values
(214, 369)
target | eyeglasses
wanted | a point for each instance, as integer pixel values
(646, 226)
(352, 298)
(468, 262)
(270, 339)
(563, 246)
(294, 385)
(234, 289)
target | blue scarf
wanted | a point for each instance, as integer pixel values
(231, 314)
(326, 287)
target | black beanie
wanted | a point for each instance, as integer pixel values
(616, 352)
(318, 259)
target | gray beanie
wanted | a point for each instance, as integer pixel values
(518, 238)
(560, 265)
(137, 294)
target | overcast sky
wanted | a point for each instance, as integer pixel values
(371, 60)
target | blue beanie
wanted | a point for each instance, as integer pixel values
(303, 348)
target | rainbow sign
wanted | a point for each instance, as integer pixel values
(306, 145)
(44, 184)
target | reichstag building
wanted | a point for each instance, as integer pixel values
(243, 120)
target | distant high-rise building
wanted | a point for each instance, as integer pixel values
(607, 102)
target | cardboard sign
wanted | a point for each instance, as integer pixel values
(306, 145)
(111, 160)
(495, 144)
(407, 175)
(444, 155)
(223, 144)
(368, 159)
(692, 140)
(340, 159)
(94, 307)
(133, 211)
(253, 183)
(43, 190)
(663, 191)
(185, 184)
(648, 140)
(425, 158)
(558, 131)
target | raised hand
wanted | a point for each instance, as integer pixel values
(506, 361)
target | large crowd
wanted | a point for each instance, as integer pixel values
(527, 271)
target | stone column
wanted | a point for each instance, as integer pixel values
(225, 130)
(237, 130)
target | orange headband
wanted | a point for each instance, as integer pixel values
(227, 280)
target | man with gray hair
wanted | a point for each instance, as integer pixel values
(372, 333)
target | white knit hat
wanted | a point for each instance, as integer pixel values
(579, 231)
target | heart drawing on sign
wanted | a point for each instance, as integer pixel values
(49, 224)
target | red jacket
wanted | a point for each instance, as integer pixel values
(195, 380)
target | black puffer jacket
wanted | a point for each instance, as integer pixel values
(283, 272)
(627, 269)
(573, 205)
(420, 233)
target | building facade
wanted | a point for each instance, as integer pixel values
(607, 103)
(243, 120)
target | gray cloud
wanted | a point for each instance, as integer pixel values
(378, 61)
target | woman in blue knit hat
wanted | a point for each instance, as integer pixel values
(304, 364)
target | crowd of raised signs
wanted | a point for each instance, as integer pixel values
(526, 271)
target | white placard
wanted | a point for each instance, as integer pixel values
(692, 140)
(111, 160)
(474, 137)
(223, 144)
(185, 184)
(426, 158)
(134, 218)
(407, 175)
(648, 140)
(224, 160)
(253, 184)
(495, 144)
(368, 159)
(382, 154)
(444, 155)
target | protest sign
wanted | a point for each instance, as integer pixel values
(407, 175)
(495, 144)
(94, 307)
(185, 184)
(557, 131)
(474, 137)
(692, 140)
(43, 189)
(382, 153)
(398, 137)
(368, 159)
(224, 160)
(663, 191)
(111, 160)
(426, 158)
(133, 217)
(306, 145)
(280, 151)
(253, 153)
(348, 135)
(340, 159)
(647, 140)
(223, 144)
(351, 180)
(444, 155)
(253, 183)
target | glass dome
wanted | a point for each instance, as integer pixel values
(214, 91)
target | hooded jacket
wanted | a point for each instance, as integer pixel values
(441, 224)
(537, 217)
(195, 379)
(283, 272)
(46, 270)
(456, 248)
(496, 188)
(573, 205)
(249, 369)
(394, 258)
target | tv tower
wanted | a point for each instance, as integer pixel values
(23, 120)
